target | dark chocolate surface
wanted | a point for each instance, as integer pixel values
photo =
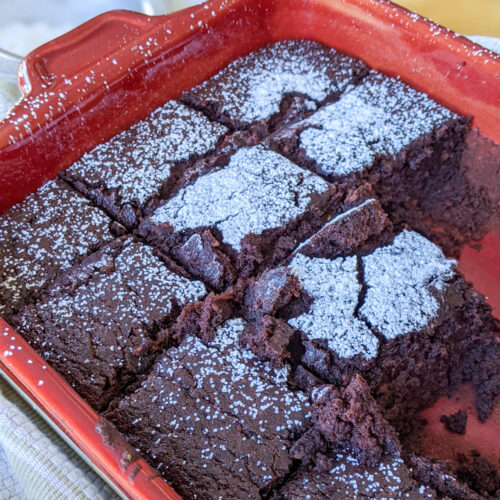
(380, 117)
(259, 206)
(125, 173)
(340, 476)
(215, 420)
(99, 325)
(281, 82)
(407, 145)
(41, 237)
(392, 314)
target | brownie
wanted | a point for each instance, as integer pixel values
(124, 174)
(479, 174)
(340, 476)
(216, 421)
(248, 283)
(100, 323)
(479, 474)
(349, 418)
(45, 234)
(456, 422)
(437, 475)
(258, 206)
(277, 84)
(396, 314)
(404, 143)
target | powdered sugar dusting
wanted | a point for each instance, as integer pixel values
(232, 412)
(390, 479)
(381, 116)
(240, 375)
(139, 160)
(44, 235)
(402, 281)
(139, 289)
(104, 312)
(252, 87)
(257, 190)
(334, 288)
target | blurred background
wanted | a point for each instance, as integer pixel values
(26, 24)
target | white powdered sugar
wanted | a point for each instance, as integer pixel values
(345, 141)
(115, 300)
(390, 479)
(402, 282)
(139, 160)
(381, 116)
(257, 190)
(236, 381)
(333, 285)
(252, 87)
(44, 235)
(232, 412)
(268, 88)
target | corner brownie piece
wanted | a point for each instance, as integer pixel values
(100, 324)
(143, 162)
(339, 476)
(216, 421)
(258, 206)
(400, 314)
(278, 83)
(404, 143)
(47, 233)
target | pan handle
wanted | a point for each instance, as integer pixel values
(81, 49)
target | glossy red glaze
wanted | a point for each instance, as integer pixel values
(100, 78)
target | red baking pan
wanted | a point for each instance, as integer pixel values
(95, 81)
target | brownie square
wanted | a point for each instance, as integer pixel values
(258, 206)
(380, 117)
(216, 421)
(393, 310)
(101, 322)
(340, 476)
(47, 233)
(276, 84)
(143, 162)
(400, 140)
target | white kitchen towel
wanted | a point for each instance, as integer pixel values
(35, 463)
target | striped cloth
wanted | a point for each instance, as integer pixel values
(35, 463)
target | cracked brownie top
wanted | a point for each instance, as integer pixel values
(393, 291)
(385, 117)
(256, 191)
(252, 88)
(258, 206)
(124, 173)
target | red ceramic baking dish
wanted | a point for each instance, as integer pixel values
(100, 78)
